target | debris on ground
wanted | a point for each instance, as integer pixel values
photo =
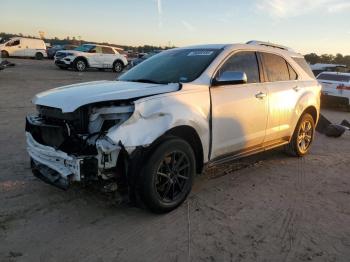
(327, 128)
(5, 63)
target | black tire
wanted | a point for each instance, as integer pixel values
(303, 136)
(4, 54)
(118, 66)
(167, 177)
(39, 56)
(79, 65)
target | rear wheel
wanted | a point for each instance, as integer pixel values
(39, 56)
(80, 65)
(118, 66)
(168, 175)
(302, 137)
(4, 54)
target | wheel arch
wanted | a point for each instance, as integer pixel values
(118, 60)
(190, 135)
(83, 58)
(312, 111)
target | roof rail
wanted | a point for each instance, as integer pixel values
(254, 42)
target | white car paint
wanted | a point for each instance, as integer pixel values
(99, 59)
(227, 119)
(69, 98)
(24, 47)
(333, 85)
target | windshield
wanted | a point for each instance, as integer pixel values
(84, 48)
(172, 66)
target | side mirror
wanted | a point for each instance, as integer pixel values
(230, 78)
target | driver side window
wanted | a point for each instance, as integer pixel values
(14, 43)
(243, 62)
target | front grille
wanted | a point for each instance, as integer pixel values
(78, 120)
(62, 131)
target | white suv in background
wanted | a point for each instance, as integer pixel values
(153, 129)
(93, 56)
(335, 88)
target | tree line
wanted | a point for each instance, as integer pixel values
(328, 59)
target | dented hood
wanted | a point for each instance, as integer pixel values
(69, 98)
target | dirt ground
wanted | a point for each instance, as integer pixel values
(269, 207)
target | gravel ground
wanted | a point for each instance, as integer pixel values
(269, 207)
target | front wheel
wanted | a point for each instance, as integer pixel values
(80, 65)
(168, 175)
(118, 66)
(303, 136)
(4, 54)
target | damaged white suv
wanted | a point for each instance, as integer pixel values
(154, 128)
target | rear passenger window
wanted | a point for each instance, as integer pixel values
(275, 67)
(107, 50)
(243, 62)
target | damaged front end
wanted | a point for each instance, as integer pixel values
(74, 147)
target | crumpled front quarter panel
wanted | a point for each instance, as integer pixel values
(153, 116)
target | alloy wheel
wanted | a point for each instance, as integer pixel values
(173, 176)
(305, 135)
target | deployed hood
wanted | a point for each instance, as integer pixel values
(69, 98)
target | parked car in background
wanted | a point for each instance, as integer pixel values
(319, 68)
(51, 52)
(144, 57)
(154, 128)
(91, 56)
(24, 47)
(335, 88)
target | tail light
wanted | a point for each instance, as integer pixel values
(343, 87)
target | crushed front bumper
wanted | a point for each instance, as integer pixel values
(53, 165)
(57, 167)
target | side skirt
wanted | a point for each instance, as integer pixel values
(248, 151)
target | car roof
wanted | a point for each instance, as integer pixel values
(117, 48)
(252, 45)
(335, 73)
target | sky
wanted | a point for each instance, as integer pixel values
(320, 26)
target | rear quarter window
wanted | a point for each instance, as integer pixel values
(304, 65)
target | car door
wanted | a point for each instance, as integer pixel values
(284, 91)
(94, 57)
(239, 112)
(15, 48)
(108, 57)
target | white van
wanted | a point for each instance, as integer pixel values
(24, 47)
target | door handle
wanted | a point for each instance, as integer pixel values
(296, 88)
(260, 95)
